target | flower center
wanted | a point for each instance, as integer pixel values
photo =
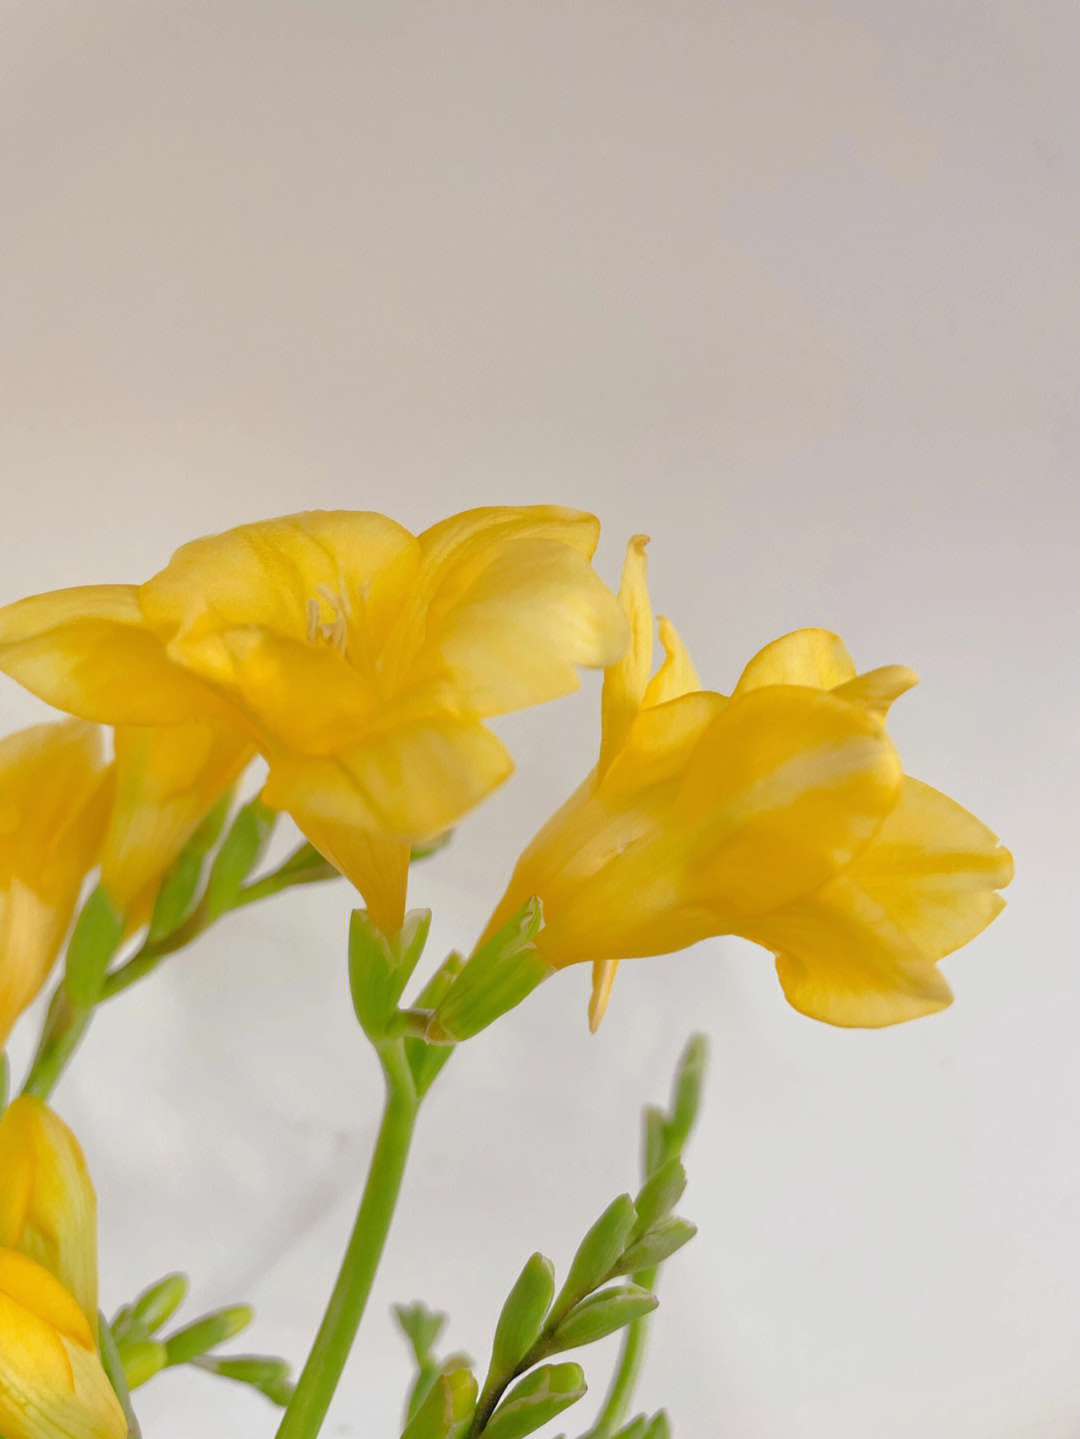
(334, 631)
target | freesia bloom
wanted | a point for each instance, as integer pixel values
(52, 1385)
(48, 1209)
(54, 805)
(780, 814)
(360, 659)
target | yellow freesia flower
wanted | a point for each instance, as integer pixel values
(780, 814)
(360, 659)
(168, 778)
(52, 1385)
(54, 806)
(48, 1209)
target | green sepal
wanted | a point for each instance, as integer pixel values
(600, 1315)
(180, 886)
(658, 1427)
(381, 965)
(658, 1196)
(156, 1305)
(142, 1359)
(207, 1332)
(242, 848)
(597, 1254)
(447, 1411)
(498, 976)
(94, 940)
(269, 1376)
(431, 846)
(426, 1060)
(535, 1400)
(522, 1318)
(656, 1245)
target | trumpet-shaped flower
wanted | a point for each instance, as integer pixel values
(48, 1209)
(52, 1384)
(780, 813)
(360, 659)
(54, 806)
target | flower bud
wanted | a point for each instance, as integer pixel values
(534, 1400)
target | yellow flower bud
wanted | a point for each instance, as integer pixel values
(52, 1384)
(48, 1209)
(360, 659)
(780, 814)
(54, 804)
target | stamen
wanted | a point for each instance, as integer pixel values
(336, 631)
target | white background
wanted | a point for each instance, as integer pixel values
(792, 288)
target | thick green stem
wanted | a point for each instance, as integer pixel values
(315, 1387)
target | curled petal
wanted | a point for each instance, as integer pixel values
(676, 676)
(625, 681)
(817, 659)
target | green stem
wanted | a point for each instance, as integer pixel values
(64, 1028)
(315, 1387)
(631, 1355)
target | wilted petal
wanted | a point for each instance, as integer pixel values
(90, 652)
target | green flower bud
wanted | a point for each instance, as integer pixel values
(94, 940)
(141, 1360)
(656, 1245)
(658, 1196)
(597, 1254)
(380, 965)
(447, 1411)
(268, 1376)
(522, 1317)
(156, 1305)
(658, 1427)
(686, 1098)
(243, 847)
(536, 1399)
(654, 1139)
(498, 976)
(600, 1315)
(207, 1333)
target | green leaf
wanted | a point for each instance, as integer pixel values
(498, 976)
(381, 965)
(600, 1315)
(597, 1254)
(447, 1411)
(94, 940)
(522, 1318)
(243, 847)
(207, 1333)
(535, 1400)
(658, 1196)
(157, 1304)
(658, 1244)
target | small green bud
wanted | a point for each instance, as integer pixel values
(422, 1327)
(654, 1139)
(686, 1097)
(156, 1305)
(535, 1400)
(380, 966)
(636, 1429)
(242, 848)
(522, 1317)
(658, 1196)
(447, 1411)
(141, 1360)
(94, 940)
(207, 1333)
(498, 976)
(658, 1427)
(656, 1245)
(597, 1254)
(600, 1315)
(269, 1376)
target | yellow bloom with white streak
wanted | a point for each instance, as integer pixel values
(55, 795)
(48, 1209)
(52, 1385)
(360, 660)
(780, 813)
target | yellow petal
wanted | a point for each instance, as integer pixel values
(783, 790)
(48, 1210)
(877, 689)
(90, 652)
(625, 681)
(814, 658)
(52, 1385)
(933, 868)
(677, 675)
